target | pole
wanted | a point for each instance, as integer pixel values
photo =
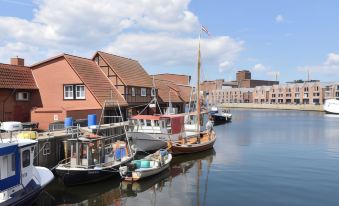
(198, 92)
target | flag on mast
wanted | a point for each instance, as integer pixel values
(204, 29)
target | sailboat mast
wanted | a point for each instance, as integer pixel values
(198, 89)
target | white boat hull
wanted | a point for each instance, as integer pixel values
(331, 106)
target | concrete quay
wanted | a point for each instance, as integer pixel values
(301, 107)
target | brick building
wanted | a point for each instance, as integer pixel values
(230, 95)
(18, 91)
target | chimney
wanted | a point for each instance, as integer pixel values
(17, 61)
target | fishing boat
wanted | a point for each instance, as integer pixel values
(202, 140)
(151, 132)
(220, 117)
(331, 106)
(20, 181)
(148, 166)
(94, 158)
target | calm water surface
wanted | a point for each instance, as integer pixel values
(262, 158)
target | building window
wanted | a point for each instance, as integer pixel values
(74, 91)
(26, 158)
(68, 92)
(337, 87)
(80, 91)
(337, 94)
(22, 96)
(306, 89)
(297, 89)
(47, 149)
(143, 92)
(133, 91)
(153, 92)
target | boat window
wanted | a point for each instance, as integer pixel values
(26, 158)
(83, 151)
(148, 123)
(168, 123)
(13, 163)
(7, 161)
(156, 123)
(141, 122)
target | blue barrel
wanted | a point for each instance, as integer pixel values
(68, 122)
(92, 120)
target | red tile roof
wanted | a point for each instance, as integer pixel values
(95, 80)
(16, 77)
(168, 91)
(177, 78)
(129, 70)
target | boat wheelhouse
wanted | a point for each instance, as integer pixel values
(20, 181)
(151, 132)
(93, 158)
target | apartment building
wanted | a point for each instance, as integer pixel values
(230, 95)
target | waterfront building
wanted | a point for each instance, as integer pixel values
(261, 94)
(71, 86)
(18, 91)
(244, 80)
(230, 95)
(171, 91)
(331, 90)
(130, 79)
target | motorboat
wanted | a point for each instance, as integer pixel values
(220, 116)
(20, 181)
(331, 106)
(148, 166)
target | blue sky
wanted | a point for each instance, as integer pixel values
(285, 37)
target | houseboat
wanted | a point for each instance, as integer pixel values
(20, 181)
(94, 158)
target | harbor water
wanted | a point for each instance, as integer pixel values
(264, 157)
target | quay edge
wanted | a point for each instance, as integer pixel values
(306, 107)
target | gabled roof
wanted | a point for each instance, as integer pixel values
(167, 91)
(16, 77)
(95, 80)
(129, 70)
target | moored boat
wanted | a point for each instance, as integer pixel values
(94, 158)
(148, 166)
(20, 181)
(220, 117)
(331, 106)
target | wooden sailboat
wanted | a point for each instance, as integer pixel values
(203, 140)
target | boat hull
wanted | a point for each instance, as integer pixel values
(331, 106)
(24, 197)
(177, 149)
(221, 119)
(77, 177)
(146, 142)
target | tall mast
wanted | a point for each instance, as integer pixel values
(198, 90)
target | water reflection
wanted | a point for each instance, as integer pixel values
(116, 192)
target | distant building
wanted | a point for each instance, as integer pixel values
(177, 78)
(230, 95)
(244, 80)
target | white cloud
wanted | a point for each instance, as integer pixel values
(279, 18)
(267, 71)
(259, 68)
(329, 68)
(160, 33)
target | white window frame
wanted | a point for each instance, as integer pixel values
(20, 96)
(81, 96)
(153, 92)
(70, 92)
(133, 92)
(143, 92)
